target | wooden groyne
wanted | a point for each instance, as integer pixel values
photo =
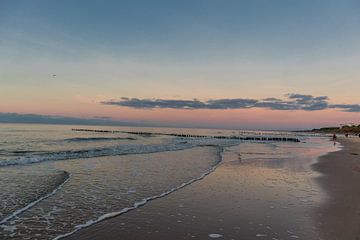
(244, 138)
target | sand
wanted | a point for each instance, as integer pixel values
(261, 199)
(340, 215)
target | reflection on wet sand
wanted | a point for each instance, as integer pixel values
(259, 190)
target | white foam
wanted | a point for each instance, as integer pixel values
(215, 235)
(176, 145)
(30, 205)
(8, 228)
(140, 203)
(261, 235)
(131, 190)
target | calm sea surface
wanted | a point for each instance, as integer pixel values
(55, 181)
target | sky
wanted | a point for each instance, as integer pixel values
(212, 63)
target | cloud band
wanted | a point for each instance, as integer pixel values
(289, 102)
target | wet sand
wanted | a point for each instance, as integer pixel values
(250, 197)
(340, 215)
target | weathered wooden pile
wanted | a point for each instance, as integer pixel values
(244, 138)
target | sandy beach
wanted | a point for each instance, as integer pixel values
(253, 199)
(340, 215)
(179, 120)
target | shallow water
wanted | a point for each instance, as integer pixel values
(55, 181)
(249, 196)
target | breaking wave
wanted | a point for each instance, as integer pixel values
(90, 139)
(114, 150)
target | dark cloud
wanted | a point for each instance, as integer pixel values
(347, 107)
(271, 99)
(230, 103)
(102, 117)
(183, 104)
(48, 119)
(157, 103)
(292, 101)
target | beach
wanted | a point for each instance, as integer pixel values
(179, 120)
(57, 182)
(340, 215)
(254, 198)
(176, 184)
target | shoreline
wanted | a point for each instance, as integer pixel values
(237, 200)
(340, 214)
(144, 201)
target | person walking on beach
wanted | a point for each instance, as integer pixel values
(334, 137)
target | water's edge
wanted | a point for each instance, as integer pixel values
(30, 205)
(144, 201)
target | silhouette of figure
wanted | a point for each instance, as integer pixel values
(334, 137)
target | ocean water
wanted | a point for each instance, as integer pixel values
(55, 181)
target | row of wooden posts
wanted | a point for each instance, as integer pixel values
(245, 138)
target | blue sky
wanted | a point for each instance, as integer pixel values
(184, 25)
(103, 50)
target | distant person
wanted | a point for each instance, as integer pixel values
(334, 137)
(346, 135)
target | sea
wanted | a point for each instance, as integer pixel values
(56, 180)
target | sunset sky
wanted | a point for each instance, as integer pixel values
(139, 60)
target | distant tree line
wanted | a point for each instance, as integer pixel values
(342, 129)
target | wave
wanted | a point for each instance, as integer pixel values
(90, 153)
(30, 205)
(143, 201)
(79, 139)
(113, 151)
(19, 152)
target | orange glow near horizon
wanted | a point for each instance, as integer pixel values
(238, 118)
(87, 107)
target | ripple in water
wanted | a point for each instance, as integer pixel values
(101, 186)
(20, 188)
